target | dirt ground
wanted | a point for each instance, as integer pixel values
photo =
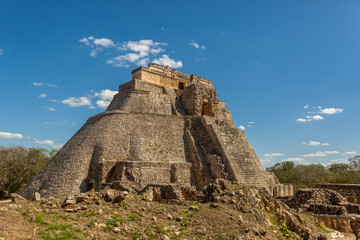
(239, 215)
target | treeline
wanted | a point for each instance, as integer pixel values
(307, 176)
(19, 164)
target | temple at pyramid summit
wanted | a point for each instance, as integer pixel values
(163, 128)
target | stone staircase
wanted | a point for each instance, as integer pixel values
(241, 158)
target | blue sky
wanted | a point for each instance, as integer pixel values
(288, 70)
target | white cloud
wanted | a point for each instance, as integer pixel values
(102, 103)
(319, 154)
(44, 95)
(331, 110)
(51, 109)
(315, 143)
(10, 135)
(265, 160)
(51, 85)
(165, 60)
(301, 120)
(273, 154)
(77, 102)
(97, 44)
(102, 42)
(250, 124)
(241, 127)
(139, 52)
(52, 143)
(44, 142)
(318, 110)
(143, 62)
(106, 96)
(350, 153)
(339, 160)
(310, 118)
(1, 52)
(122, 60)
(293, 160)
(39, 84)
(143, 47)
(196, 45)
(316, 117)
(52, 100)
(58, 145)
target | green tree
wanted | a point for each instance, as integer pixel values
(342, 173)
(283, 171)
(307, 176)
(355, 165)
(19, 164)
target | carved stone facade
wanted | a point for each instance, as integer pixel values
(165, 128)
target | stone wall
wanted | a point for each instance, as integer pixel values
(283, 190)
(339, 223)
(350, 191)
(140, 101)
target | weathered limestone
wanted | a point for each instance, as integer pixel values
(350, 191)
(163, 128)
(329, 207)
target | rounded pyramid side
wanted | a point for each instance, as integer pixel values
(64, 173)
(109, 137)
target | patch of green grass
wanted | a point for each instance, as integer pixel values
(285, 230)
(148, 232)
(91, 224)
(61, 227)
(272, 218)
(60, 232)
(109, 225)
(185, 222)
(39, 219)
(56, 217)
(26, 215)
(133, 217)
(123, 204)
(136, 235)
(161, 229)
(190, 215)
(322, 228)
(198, 205)
(115, 218)
(89, 213)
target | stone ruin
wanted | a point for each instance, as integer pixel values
(163, 128)
(329, 207)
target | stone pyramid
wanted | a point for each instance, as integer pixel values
(164, 127)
